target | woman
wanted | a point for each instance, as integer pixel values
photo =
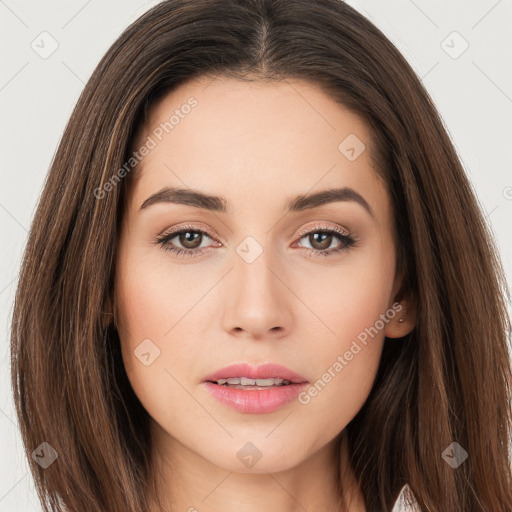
(258, 278)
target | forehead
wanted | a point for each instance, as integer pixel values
(253, 113)
(235, 138)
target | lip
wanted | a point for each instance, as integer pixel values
(264, 371)
(255, 401)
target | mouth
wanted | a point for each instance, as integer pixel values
(246, 383)
(255, 389)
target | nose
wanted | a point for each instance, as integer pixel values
(258, 301)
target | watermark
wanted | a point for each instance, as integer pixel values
(45, 455)
(45, 45)
(150, 143)
(249, 249)
(351, 147)
(249, 454)
(454, 455)
(146, 352)
(507, 193)
(343, 360)
(454, 45)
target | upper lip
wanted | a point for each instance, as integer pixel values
(264, 371)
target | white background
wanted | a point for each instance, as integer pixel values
(473, 93)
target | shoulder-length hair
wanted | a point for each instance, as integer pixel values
(448, 381)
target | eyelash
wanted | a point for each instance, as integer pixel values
(347, 240)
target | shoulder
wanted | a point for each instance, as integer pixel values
(406, 502)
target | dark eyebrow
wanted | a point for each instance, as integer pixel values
(187, 196)
(219, 204)
(331, 195)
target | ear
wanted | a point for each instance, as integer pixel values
(405, 307)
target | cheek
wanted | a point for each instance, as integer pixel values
(348, 297)
(352, 304)
(157, 325)
(155, 298)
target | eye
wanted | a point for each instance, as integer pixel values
(187, 241)
(189, 237)
(321, 238)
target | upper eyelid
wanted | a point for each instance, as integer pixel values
(172, 233)
(318, 227)
(340, 230)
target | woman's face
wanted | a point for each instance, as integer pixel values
(265, 275)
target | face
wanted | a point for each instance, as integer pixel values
(261, 274)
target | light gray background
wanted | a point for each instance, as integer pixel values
(473, 93)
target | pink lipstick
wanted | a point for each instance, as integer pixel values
(255, 389)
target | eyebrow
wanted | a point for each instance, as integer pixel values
(212, 203)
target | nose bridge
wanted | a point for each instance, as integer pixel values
(256, 265)
(258, 300)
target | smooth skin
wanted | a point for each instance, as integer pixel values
(258, 145)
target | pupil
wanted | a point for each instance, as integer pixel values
(325, 241)
(190, 239)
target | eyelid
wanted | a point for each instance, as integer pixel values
(318, 225)
(347, 238)
(178, 229)
(326, 225)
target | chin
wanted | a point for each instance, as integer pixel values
(259, 454)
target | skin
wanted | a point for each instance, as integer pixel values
(258, 145)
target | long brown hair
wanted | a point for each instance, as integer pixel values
(448, 380)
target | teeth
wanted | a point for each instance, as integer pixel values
(244, 381)
(268, 382)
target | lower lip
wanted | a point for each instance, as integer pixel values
(255, 401)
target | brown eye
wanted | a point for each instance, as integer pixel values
(186, 242)
(190, 239)
(320, 240)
